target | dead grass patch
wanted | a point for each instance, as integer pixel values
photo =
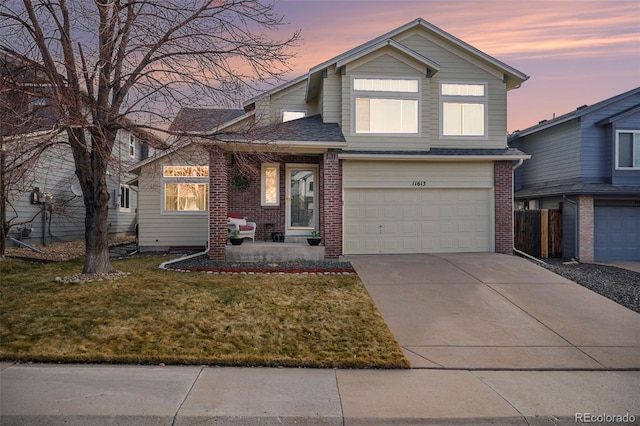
(155, 316)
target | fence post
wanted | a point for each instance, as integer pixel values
(544, 233)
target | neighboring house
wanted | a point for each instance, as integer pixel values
(587, 163)
(46, 201)
(396, 146)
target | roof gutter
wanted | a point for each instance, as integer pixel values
(409, 157)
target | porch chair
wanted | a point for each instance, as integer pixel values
(237, 221)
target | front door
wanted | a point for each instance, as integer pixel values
(302, 203)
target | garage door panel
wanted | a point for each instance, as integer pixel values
(616, 233)
(417, 220)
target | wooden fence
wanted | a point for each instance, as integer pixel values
(538, 232)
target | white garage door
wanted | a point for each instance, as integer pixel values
(417, 220)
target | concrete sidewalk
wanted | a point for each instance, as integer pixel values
(136, 395)
(492, 339)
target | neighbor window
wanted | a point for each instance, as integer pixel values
(186, 188)
(385, 105)
(132, 146)
(628, 149)
(270, 184)
(292, 115)
(463, 109)
(125, 198)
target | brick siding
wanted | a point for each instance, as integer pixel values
(331, 207)
(503, 186)
(218, 184)
(585, 228)
(248, 201)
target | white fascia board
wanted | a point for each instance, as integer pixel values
(465, 46)
(308, 147)
(393, 44)
(409, 157)
(276, 89)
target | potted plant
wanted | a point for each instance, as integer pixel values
(315, 238)
(235, 240)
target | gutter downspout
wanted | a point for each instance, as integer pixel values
(163, 265)
(515, 250)
(518, 164)
(575, 225)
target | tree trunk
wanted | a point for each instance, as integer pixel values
(4, 225)
(91, 169)
(95, 237)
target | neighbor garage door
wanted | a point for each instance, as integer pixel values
(436, 214)
(617, 233)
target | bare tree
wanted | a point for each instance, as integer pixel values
(111, 62)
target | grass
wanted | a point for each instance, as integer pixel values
(154, 316)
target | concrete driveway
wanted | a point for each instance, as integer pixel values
(487, 310)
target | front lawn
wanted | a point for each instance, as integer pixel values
(155, 316)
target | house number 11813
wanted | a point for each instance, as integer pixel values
(419, 183)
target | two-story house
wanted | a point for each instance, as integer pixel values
(396, 146)
(43, 197)
(587, 162)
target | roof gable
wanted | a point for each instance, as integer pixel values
(513, 77)
(577, 113)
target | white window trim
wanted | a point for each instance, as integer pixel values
(282, 112)
(132, 144)
(482, 100)
(385, 95)
(263, 168)
(128, 192)
(185, 179)
(617, 149)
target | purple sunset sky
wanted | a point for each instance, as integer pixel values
(576, 52)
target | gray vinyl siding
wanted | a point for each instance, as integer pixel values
(455, 66)
(598, 143)
(331, 97)
(385, 66)
(160, 231)
(555, 156)
(623, 177)
(569, 231)
(290, 99)
(54, 173)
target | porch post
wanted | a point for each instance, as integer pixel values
(332, 211)
(218, 203)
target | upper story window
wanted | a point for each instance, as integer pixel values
(463, 109)
(385, 105)
(185, 189)
(132, 146)
(628, 149)
(292, 115)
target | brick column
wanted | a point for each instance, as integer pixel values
(332, 205)
(585, 228)
(503, 187)
(218, 203)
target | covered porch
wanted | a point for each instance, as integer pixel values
(262, 251)
(307, 197)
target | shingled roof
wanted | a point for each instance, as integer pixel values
(308, 129)
(201, 120)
